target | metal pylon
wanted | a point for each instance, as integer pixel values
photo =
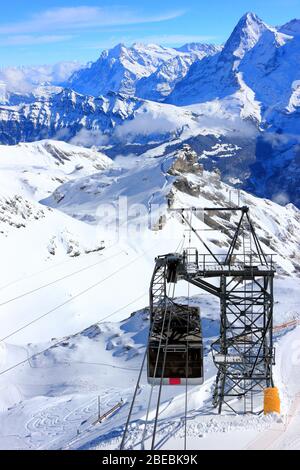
(243, 282)
(244, 352)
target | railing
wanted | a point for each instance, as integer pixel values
(286, 325)
(219, 262)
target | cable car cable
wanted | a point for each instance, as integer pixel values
(15, 281)
(155, 371)
(72, 298)
(160, 385)
(187, 352)
(64, 303)
(132, 401)
(135, 391)
(156, 364)
(161, 378)
(186, 379)
(163, 369)
(85, 268)
(140, 374)
(28, 359)
(48, 268)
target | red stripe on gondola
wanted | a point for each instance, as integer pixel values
(174, 381)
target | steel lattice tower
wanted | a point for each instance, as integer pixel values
(244, 352)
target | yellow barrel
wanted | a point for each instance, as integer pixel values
(271, 400)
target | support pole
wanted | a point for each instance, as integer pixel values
(99, 409)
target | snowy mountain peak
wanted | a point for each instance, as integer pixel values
(250, 18)
(245, 35)
(118, 69)
(114, 52)
(142, 47)
(121, 68)
(250, 23)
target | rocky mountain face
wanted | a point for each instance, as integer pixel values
(177, 180)
(221, 75)
(62, 115)
(158, 85)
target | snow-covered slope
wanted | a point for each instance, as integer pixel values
(113, 119)
(129, 227)
(52, 402)
(35, 169)
(29, 172)
(61, 287)
(257, 68)
(267, 69)
(256, 55)
(79, 232)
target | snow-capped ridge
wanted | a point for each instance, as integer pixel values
(251, 79)
(121, 68)
(163, 80)
(292, 28)
(199, 48)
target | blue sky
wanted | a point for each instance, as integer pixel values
(48, 31)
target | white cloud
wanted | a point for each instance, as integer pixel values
(61, 71)
(168, 120)
(82, 17)
(127, 163)
(13, 80)
(25, 79)
(89, 138)
(29, 39)
(281, 198)
(156, 121)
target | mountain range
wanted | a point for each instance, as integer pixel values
(243, 96)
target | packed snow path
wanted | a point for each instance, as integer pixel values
(286, 435)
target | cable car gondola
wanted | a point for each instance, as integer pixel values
(175, 347)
